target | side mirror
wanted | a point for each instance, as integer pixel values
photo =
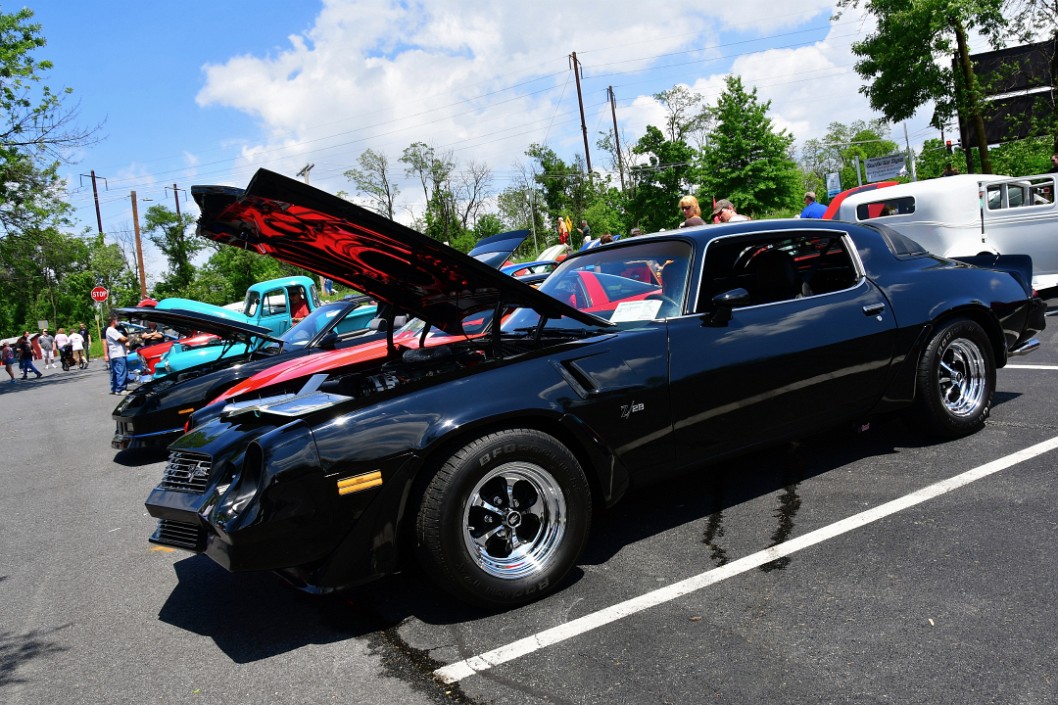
(330, 341)
(725, 303)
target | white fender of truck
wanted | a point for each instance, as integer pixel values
(970, 246)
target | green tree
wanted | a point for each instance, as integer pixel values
(565, 188)
(229, 271)
(747, 161)
(372, 180)
(521, 206)
(681, 108)
(907, 61)
(170, 233)
(660, 177)
(839, 150)
(434, 172)
(1023, 157)
(36, 129)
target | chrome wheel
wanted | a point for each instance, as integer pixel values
(956, 380)
(962, 377)
(504, 518)
(514, 520)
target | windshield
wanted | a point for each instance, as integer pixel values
(623, 284)
(313, 324)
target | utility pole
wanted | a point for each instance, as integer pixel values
(139, 248)
(176, 195)
(616, 139)
(95, 194)
(580, 101)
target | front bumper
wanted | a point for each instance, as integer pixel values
(125, 439)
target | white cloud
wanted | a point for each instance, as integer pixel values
(486, 82)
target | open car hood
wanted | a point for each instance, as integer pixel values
(185, 320)
(497, 249)
(312, 229)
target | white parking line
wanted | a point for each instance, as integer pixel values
(1030, 367)
(476, 664)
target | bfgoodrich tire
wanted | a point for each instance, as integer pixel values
(504, 519)
(956, 380)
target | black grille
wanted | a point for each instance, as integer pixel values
(179, 534)
(187, 472)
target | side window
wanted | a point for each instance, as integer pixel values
(1043, 193)
(773, 269)
(1025, 192)
(885, 207)
(253, 300)
(275, 303)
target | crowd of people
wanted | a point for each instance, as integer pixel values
(62, 349)
(724, 211)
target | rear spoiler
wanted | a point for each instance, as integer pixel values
(1018, 266)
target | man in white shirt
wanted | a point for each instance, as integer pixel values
(61, 341)
(116, 352)
(77, 341)
(724, 212)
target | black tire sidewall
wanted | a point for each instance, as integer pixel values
(930, 407)
(440, 520)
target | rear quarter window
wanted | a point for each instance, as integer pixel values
(899, 244)
(885, 207)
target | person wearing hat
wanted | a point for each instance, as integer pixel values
(47, 348)
(812, 209)
(724, 212)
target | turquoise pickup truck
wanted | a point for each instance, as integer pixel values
(276, 304)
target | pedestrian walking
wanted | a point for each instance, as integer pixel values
(812, 209)
(9, 361)
(77, 344)
(87, 337)
(25, 356)
(116, 353)
(47, 348)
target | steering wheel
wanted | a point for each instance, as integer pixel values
(747, 256)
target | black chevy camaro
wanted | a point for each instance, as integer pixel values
(486, 456)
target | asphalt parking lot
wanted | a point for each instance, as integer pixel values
(849, 567)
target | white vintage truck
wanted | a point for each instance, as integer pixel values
(971, 214)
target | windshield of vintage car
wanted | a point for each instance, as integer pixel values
(309, 327)
(625, 285)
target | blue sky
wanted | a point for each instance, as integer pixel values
(199, 92)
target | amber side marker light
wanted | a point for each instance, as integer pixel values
(360, 482)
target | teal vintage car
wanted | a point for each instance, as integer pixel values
(276, 304)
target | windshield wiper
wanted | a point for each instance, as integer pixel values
(553, 332)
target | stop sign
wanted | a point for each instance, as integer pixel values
(100, 294)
